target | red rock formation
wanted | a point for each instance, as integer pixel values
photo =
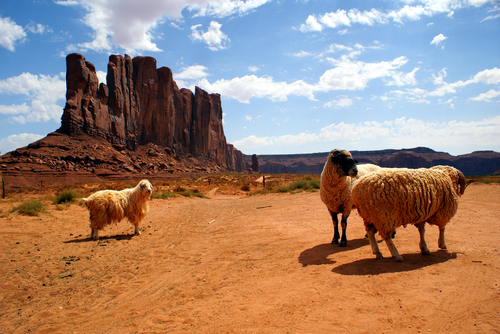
(142, 104)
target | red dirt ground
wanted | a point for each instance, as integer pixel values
(246, 264)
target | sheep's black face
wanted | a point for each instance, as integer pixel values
(346, 165)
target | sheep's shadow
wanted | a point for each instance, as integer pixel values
(318, 255)
(117, 237)
(373, 266)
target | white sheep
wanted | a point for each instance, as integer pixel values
(338, 176)
(111, 206)
(392, 197)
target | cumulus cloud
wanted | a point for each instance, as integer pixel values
(354, 75)
(213, 37)
(10, 33)
(486, 97)
(16, 141)
(42, 93)
(192, 72)
(342, 18)
(400, 132)
(418, 95)
(130, 24)
(248, 86)
(343, 102)
(438, 39)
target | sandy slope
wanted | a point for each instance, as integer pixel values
(258, 264)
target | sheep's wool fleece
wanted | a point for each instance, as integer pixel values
(111, 206)
(391, 197)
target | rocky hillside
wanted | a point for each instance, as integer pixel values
(475, 163)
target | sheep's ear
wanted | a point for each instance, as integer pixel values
(356, 161)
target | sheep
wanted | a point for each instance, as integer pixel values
(108, 206)
(391, 197)
(337, 179)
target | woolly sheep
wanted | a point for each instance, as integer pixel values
(337, 179)
(391, 197)
(111, 206)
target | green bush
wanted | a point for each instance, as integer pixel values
(192, 193)
(66, 196)
(30, 208)
(163, 195)
(245, 187)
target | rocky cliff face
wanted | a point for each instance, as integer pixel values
(141, 104)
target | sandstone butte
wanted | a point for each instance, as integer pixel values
(138, 123)
(142, 104)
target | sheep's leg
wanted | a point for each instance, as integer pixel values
(343, 223)
(336, 234)
(393, 249)
(136, 228)
(441, 242)
(94, 233)
(423, 244)
(370, 231)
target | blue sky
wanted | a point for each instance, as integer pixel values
(295, 76)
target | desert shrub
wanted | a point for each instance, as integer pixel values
(245, 187)
(163, 195)
(31, 207)
(192, 193)
(179, 189)
(66, 196)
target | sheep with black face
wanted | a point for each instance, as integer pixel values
(337, 179)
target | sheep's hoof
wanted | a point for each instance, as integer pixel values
(379, 256)
(425, 251)
(443, 246)
(343, 244)
(335, 241)
(399, 258)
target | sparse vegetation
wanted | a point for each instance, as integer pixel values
(66, 196)
(192, 193)
(31, 207)
(163, 195)
(493, 178)
(245, 187)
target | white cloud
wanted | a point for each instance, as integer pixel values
(244, 88)
(253, 69)
(301, 54)
(16, 141)
(438, 39)
(42, 94)
(354, 75)
(130, 24)
(397, 133)
(343, 18)
(10, 32)
(252, 141)
(37, 28)
(213, 37)
(340, 103)
(486, 97)
(248, 118)
(101, 75)
(192, 72)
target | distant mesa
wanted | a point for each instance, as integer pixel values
(475, 163)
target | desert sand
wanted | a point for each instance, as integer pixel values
(246, 264)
